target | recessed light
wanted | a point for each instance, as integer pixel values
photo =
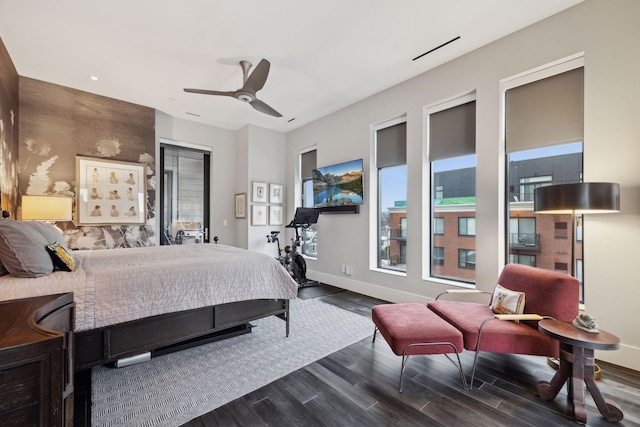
(94, 78)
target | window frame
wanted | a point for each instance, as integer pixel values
(428, 220)
(374, 197)
(300, 198)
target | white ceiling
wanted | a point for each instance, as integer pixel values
(324, 55)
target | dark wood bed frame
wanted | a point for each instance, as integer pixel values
(160, 335)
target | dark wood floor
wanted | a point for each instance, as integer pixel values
(357, 386)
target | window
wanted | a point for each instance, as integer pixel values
(391, 165)
(403, 227)
(451, 129)
(438, 192)
(544, 129)
(522, 233)
(438, 225)
(310, 235)
(438, 256)
(467, 258)
(467, 226)
(522, 259)
(561, 230)
(527, 185)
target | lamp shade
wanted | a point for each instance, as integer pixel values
(46, 208)
(580, 198)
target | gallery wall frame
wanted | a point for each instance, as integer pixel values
(110, 192)
(258, 215)
(276, 193)
(276, 215)
(259, 194)
(241, 205)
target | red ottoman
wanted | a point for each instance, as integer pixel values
(412, 329)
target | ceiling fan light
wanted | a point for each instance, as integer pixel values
(245, 97)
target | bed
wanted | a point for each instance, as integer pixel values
(144, 300)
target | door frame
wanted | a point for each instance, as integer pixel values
(206, 151)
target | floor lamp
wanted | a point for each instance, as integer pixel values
(577, 199)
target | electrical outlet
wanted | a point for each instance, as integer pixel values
(344, 268)
(348, 270)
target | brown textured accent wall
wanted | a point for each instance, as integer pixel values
(56, 124)
(8, 131)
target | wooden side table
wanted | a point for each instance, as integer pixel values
(576, 365)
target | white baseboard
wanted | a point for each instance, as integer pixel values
(626, 356)
(369, 289)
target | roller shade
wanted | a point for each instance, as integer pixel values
(307, 164)
(391, 146)
(545, 112)
(452, 132)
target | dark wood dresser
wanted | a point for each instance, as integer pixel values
(36, 361)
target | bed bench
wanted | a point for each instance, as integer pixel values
(412, 329)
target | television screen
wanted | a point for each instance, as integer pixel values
(338, 185)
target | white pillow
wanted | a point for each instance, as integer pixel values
(506, 301)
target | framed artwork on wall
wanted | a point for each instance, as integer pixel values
(259, 192)
(258, 215)
(241, 205)
(276, 215)
(110, 192)
(276, 193)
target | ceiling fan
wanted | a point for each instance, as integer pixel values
(251, 84)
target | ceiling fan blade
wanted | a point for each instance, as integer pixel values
(264, 108)
(209, 92)
(258, 77)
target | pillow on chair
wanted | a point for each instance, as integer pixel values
(505, 301)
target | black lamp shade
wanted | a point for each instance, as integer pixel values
(585, 197)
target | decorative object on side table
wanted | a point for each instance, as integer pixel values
(586, 323)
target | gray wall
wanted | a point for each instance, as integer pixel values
(608, 34)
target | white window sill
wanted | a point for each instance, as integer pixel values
(388, 271)
(450, 282)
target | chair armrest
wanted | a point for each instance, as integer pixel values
(518, 316)
(462, 291)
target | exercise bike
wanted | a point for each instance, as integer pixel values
(293, 261)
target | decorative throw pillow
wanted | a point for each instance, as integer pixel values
(505, 301)
(22, 250)
(61, 257)
(50, 232)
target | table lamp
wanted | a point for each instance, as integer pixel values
(46, 208)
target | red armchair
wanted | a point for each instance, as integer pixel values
(547, 294)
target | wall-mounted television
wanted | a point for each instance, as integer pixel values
(338, 185)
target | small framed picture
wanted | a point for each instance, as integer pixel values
(259, 215)
(259, 192)
(276, 215)
(241, 205)
(276, 193)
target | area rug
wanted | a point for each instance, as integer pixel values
(172, 389)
